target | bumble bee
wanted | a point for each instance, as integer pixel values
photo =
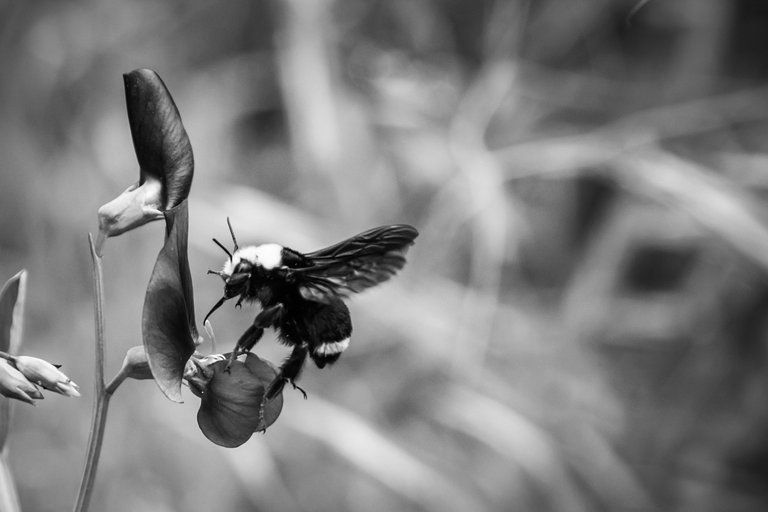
(302, 295)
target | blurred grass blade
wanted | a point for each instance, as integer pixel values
(720, 205)
(260, 478)
(9, 499)
(379, 457)
(516, 437)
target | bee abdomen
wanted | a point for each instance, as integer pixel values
(329, 352)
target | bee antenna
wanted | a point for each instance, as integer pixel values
(224, 248)
(231, 232)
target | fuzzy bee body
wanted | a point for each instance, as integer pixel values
(302, 295)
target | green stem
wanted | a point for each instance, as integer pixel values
(101, 393)
(116, 381)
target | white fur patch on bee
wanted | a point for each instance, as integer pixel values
(267, 256)
(329, 349)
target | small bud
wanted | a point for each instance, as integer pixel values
(135, 364)
(13, 384)
(45, 374)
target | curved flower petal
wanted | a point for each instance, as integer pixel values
(166, 162)
(231, 401)
(167, 323)
(159, 138)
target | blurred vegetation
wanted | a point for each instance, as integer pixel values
(581, 323)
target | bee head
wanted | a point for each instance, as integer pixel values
(244, 263)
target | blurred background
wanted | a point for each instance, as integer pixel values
(581, 325)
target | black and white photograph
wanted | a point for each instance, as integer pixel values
(384, 256)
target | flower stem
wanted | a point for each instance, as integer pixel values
(116, 381)
(101, 393)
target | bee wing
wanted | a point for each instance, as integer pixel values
(355, 264)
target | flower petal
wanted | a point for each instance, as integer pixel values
(159, 138)
(177, 221)
(230, 408)
(168, 317)
(135, 207)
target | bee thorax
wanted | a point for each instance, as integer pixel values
(269, 256)
(266, 256)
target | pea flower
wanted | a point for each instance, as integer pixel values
(232, 403)
(164, 153)
(14, 384)
(45, 375)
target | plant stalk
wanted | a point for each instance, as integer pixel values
(102, 394)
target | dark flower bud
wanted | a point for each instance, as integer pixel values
(232, 403)
(13, 384)
(166, 164)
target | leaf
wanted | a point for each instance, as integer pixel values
(168, 316)
(231, 403)
(159, 138)
(12, 298)
(11, 312)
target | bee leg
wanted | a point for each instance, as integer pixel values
(295, 386)
(289, 372)
(253, 334)
(246, 342)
